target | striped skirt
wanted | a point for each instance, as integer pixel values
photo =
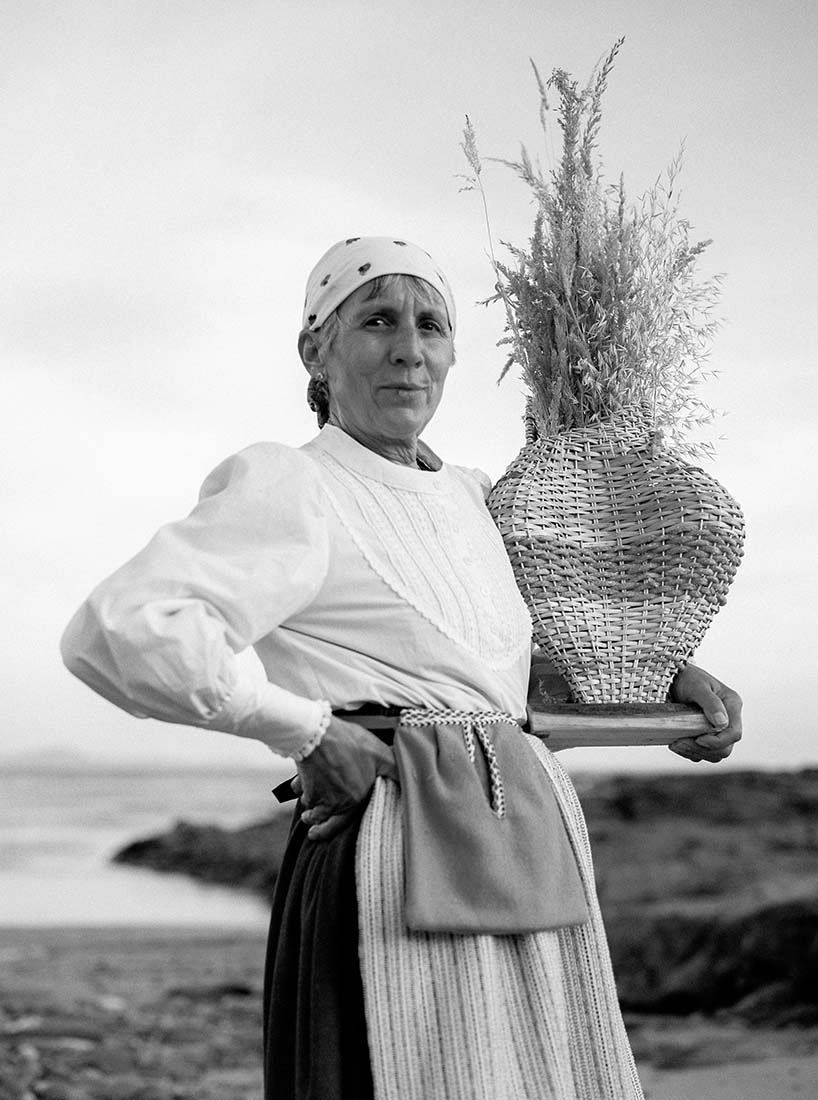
(356, 1006)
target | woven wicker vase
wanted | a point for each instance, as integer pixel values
(622, 556)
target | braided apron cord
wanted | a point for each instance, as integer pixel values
(474, 726)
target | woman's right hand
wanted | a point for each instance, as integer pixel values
(338, 775)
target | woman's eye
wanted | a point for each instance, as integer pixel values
(425, 324)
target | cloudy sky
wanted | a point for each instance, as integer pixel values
(173, 169)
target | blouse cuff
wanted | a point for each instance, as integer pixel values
(288, 724)
(318, 736)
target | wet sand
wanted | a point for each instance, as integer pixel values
(174, 1014)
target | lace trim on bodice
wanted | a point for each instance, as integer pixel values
(437, 552)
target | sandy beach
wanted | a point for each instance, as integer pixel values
(174, 1014)
(130, 1014)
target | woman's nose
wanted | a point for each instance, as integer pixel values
(406, 346)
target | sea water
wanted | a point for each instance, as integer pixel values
(59, 830)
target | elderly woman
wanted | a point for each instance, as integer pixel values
(435, 931)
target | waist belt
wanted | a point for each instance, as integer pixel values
(383, 720)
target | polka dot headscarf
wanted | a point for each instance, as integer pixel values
(357, 260)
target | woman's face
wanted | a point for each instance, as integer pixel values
(388, 362)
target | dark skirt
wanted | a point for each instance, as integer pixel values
(315, 1044)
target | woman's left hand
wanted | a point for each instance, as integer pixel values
(722, 708)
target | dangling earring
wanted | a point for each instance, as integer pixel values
(318, 397)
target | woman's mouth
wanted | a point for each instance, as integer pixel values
(406, 390)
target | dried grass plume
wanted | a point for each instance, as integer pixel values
(605, 309)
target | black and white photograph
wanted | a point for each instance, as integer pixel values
(409, 569)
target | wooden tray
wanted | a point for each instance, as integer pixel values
(598, 725)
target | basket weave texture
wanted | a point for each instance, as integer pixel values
(623, 556)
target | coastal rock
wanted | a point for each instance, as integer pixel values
(762, 961)
(716, 797)
(248, 858)
(709, 888)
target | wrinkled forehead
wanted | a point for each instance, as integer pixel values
(358, 261)
(386, 288)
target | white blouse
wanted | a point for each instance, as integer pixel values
(355, 580)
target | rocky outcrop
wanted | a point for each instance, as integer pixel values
(709, 887)
(248, 858)
(761, 963)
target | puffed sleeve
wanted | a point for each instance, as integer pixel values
(476, 482)
(159, 637)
